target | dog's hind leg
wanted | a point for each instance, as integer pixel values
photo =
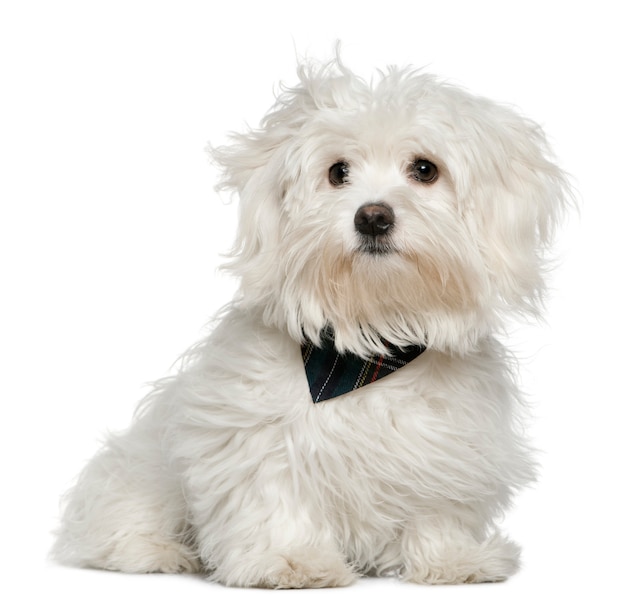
(126, 513)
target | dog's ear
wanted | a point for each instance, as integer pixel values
(514, 197)
(260, 168)
(263, 165)
(251, 172)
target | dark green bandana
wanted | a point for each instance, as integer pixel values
(331, 374)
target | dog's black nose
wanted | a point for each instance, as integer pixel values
(374, 219)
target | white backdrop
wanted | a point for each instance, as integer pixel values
(110, 234)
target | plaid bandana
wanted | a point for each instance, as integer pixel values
(331, 374)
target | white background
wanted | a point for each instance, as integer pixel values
(110, 234)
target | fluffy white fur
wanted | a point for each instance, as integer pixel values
(229, 469)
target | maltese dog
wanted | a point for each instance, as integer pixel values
(352, 412)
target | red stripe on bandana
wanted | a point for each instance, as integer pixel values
(379, 365)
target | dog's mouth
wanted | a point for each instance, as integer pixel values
(379, 245)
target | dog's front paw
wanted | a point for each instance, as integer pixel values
(292, 568)
(309, 568)
(494, 560)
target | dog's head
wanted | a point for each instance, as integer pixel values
(406, 209)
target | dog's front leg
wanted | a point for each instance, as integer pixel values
(256, 523)
(444, 549)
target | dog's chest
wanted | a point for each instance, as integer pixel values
(434, 430)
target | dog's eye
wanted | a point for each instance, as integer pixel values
(338, 173)
(424, 171)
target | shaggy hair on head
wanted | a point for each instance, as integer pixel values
(471, 252)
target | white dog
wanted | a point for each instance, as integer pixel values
(352, 412)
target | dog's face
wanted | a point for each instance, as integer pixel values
(408, 210)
